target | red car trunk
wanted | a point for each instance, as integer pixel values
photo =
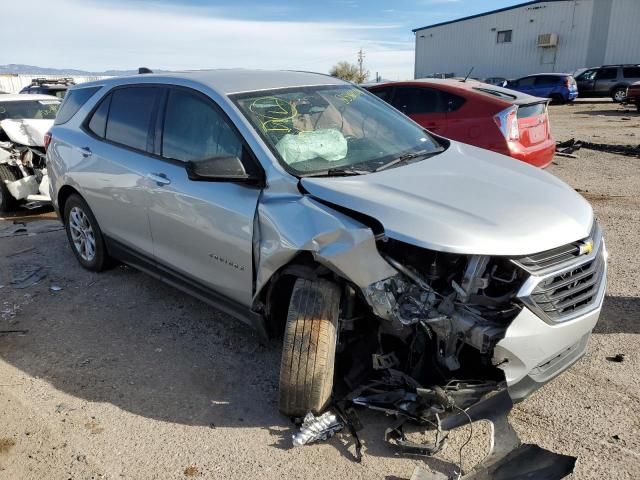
(486, 116)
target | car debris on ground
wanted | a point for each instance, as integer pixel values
(567, 148)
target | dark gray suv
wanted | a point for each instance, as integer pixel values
(608, 81)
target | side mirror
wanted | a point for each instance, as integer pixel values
(221, 169)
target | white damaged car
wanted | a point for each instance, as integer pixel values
(24, 122)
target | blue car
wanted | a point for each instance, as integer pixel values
(559, 87)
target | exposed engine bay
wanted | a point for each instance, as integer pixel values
(440, 318)
(23, 166)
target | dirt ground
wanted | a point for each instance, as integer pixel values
(121, 376)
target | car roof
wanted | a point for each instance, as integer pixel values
(21, 97)
(547, 75)
(474, 87)
(230, 81)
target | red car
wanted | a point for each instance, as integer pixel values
(633, 95)
(487, 116)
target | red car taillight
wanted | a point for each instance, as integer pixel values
(507, 121)
(47, 141)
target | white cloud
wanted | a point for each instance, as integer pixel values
(92, 36)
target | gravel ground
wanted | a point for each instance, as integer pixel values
(121, 376)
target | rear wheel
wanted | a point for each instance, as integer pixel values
(84, 234)
(619, 94)
(309, 347)
(7, 202)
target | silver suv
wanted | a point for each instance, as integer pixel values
(308, 208)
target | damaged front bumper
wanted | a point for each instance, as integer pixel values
(533, 352)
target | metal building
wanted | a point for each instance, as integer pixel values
(533, 37)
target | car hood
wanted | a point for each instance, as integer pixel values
(25, 131)
(465, 200)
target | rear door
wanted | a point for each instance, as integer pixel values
(202, 230)
(545, 85)
(116, 158)
(605, 80)
(424, 105)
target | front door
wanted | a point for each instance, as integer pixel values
(586, 82)
(202, 230)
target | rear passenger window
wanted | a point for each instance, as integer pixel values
(98, 122)
(382, 93)
(73, 101)
(453, 102)
(547, 80)
(415, 100)
(607, 74)
(131, 115)
(195, 130)
(631, 72)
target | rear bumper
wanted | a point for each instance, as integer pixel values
(540, 155)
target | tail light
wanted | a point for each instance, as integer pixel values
(47, 141)
(507, 121)
(567, 82)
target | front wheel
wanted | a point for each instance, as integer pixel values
(619, 94)
(84, 234)
(309, 347)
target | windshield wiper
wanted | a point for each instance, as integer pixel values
(406, 157)
(338, 172)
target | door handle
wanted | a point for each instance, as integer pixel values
(86, 152)
(160, 178)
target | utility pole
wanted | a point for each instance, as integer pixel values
(360, 60)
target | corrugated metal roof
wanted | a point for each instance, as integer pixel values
(526, 4)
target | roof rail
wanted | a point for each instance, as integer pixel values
(39, 81)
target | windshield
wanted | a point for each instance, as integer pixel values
(31, 109)
(330, 128)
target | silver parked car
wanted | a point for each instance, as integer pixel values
(311, 209)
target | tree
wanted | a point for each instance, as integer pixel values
(349, 72)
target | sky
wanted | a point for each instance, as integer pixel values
(198, 34)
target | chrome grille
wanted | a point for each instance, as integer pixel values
(574, 287)
(554, 257)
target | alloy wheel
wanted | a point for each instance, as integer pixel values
(82, 234)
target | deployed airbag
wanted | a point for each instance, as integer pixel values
(328, 144)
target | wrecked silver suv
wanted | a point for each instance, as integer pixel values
(24, 121)
(311, 209)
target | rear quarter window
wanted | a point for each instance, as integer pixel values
(631, 72)
(73, 101)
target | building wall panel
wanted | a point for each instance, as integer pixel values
(456, 47)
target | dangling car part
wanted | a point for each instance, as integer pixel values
(24, 122)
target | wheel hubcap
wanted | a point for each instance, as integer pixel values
(620, 95)
(82, 236)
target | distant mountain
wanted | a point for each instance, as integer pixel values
(14, 68)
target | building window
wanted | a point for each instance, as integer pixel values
(504, 36)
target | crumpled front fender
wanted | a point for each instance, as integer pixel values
(288, 224)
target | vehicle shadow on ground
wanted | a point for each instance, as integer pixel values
(610, 113)
(124, 338)
(619, 315)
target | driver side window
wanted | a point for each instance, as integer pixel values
(194, 130)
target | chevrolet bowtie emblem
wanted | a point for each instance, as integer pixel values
(586, 248)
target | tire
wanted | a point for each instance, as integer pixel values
(7, 202)
(309, 347)
(618, 94)
(81, 224)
